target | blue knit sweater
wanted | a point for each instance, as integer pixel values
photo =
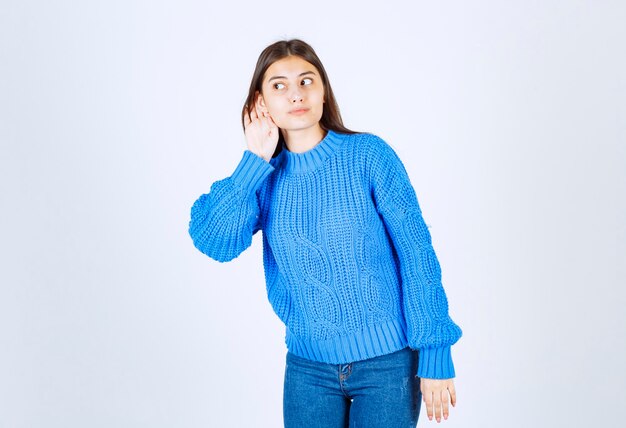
(348, 260)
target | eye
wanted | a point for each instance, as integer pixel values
(310, 81)
(278, 86)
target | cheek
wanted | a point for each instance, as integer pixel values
(273, 106)
(319, 97)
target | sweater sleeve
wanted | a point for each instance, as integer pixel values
(224, 220)
(429, 327)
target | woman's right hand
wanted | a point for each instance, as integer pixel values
(261, 132)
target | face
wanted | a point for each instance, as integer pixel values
(293, 94)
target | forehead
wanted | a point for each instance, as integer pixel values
(291, 66)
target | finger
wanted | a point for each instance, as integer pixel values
(444, 404)
(428, 399)
(271, 119)
(265, 126)
(253, 114)
(259, 111)
(437, 405)
(452, 394)
(271, 123)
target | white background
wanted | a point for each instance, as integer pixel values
(115, 116)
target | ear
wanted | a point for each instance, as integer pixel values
(260, 100)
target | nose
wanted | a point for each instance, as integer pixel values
(296, 96)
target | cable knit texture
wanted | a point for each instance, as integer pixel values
(349, 264)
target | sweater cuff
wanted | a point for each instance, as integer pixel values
(435, 363)
(251, 171)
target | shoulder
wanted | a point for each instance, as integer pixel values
(370, 147)
(364, 139)
(377, 154)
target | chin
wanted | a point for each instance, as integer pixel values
(296, 125)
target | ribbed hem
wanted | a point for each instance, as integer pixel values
(435, 363)
(374, 341)
(251, 171)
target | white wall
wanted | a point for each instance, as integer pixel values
(115, 116)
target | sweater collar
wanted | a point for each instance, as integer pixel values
(311, 159)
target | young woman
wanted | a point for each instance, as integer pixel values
(348, 260)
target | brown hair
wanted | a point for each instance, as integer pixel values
(331, 118)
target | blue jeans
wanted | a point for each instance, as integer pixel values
(379, 392)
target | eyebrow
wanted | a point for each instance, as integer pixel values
(283, 77)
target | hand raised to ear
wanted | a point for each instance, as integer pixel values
(261, 131)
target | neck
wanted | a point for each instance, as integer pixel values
(302, 140)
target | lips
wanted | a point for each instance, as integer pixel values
(298, 111)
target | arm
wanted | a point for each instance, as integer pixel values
(224, 220)
(429, 328)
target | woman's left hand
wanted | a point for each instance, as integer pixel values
(435, 394)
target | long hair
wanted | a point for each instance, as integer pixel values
(331, 118)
